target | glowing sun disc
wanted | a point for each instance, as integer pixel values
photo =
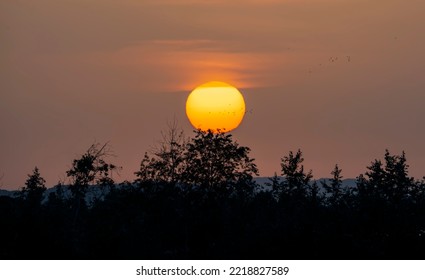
(215, 106)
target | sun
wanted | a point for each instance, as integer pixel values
(215, 106)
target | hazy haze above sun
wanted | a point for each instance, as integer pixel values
(215, 106)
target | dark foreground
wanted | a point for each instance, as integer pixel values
(160, 221)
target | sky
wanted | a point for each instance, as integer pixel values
(342, 80)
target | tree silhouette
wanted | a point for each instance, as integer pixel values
(166, 163)
(214, 162)
(388, 183)
(333, 189)
(91, 168)
(30, 226)
(148, 172)
(276, 185)
(295, 180)
(397, 181)
(34, 188)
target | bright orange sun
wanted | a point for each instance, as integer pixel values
(215, 106)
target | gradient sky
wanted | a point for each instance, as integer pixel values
(340, 79)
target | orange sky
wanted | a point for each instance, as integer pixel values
(75, 72)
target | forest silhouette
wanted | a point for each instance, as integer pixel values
(196, 198)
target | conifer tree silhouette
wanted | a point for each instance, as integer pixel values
(34, 188)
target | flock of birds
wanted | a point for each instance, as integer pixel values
(333, 59)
